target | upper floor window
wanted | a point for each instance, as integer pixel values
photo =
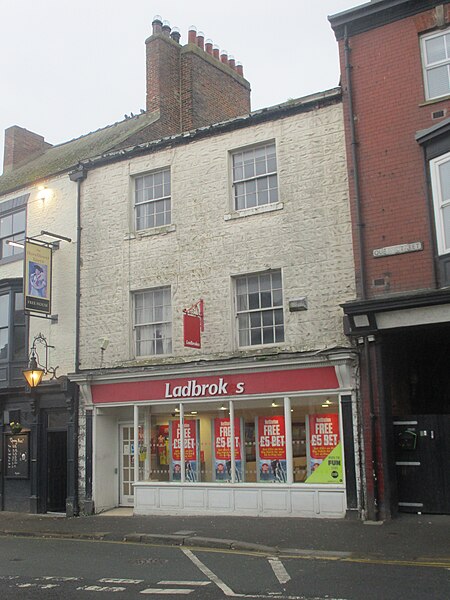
(153, 322)
(440, 183)
(4, 326)
(255, 177)
(259, 302)
(12, 228)
(436, 64)
(152, 200)
(12, 327)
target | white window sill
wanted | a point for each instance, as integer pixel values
(429, 101)
(261, 347)
(257, 210)
(137, 235)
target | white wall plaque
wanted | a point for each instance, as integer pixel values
(399, 249)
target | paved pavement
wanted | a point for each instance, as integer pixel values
(408, 537)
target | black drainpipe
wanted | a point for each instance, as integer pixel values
(78, 176)
(362, 268)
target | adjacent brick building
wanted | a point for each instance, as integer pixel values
(396, 89)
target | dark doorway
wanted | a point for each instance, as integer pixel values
(422, 460)
(56, 471)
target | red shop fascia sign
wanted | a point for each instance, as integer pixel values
(217, 386)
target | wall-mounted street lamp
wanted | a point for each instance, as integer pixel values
(36, 370)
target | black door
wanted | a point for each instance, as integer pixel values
(422, 460)
(56, 471)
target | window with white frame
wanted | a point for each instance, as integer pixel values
(152, 322)
(440, 182)
(12, 228)
(436, 64)
(152, 200)
(255, 181)
(259, 303)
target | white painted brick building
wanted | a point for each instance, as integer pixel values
(202, 250)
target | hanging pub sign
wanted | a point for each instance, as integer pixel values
(38, 277)
(222, 449)
(17, 459)
(191, 454)
(271, 448)
(193, 325)
(324, 451)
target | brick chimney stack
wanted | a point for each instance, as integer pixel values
(21, 146)
(193, 85)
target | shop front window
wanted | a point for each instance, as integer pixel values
(269, 441)
(316, 441)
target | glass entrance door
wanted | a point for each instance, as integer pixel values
(126, 433)
(126, 453)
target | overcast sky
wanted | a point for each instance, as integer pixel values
(70, 68)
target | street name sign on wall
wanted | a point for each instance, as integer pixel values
(399, 249)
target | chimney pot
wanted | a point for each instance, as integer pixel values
(224, 57)
(240, 69)
(157, 24)
(232, 62)
(200, 39)
(166, 28)
(175, 35)
(209, 46)
(192, 35)
(216, 51)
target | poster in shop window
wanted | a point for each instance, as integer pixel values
(222, 449)
(191, 453)
(162, 445)
(271, 449)
(324, 451)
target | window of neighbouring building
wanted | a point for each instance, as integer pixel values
(4, 325)
(153, 322)
(12, 326)
(152, 200)
(12, 228)
(254, 175)
(259, 303)
(436, 64)
(440, 182)
(18, 343)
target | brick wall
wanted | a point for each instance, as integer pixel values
(188, 86)
(21, 146)
(390, 107)
(211, 91)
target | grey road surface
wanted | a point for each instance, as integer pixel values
(54, 569)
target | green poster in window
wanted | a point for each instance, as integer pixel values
(330, 469)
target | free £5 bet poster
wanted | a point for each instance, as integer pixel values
(324, 449)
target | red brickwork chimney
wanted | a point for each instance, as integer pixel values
(191, 86)
(21, 146)
(163, 79)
